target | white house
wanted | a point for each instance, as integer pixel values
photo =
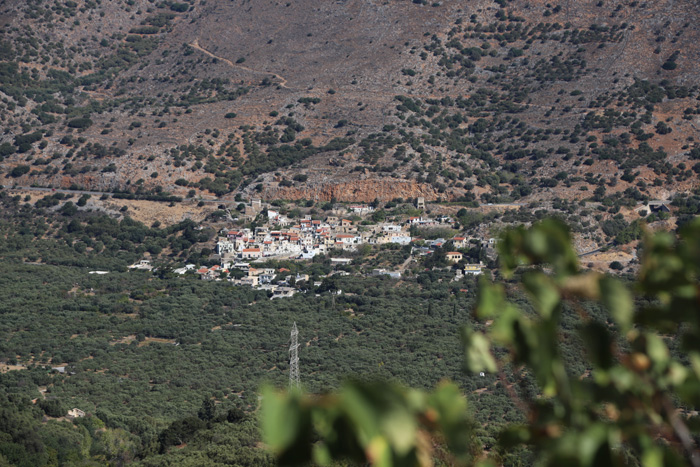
(251, 253)
(347, 239)
(384, 272)
(454, 256)
(391, 228)
(143, 265)
(361, 209)
(400, 239)
(459, 242)
(188, 267)
(283, 292)
(75, 413)
(473, 269)
(224, 246)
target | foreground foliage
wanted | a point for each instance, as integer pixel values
(633, 405)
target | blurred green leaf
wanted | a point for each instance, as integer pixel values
(546, 242)
(451, 407)
(599, 344)
(286, 424)
(277, 418)
(514, 435)
(544, 292)
(379, 452)
(657, 351)
(618, 300)
(478, 352)
(491, 300)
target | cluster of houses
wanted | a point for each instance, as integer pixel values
(278, 282)
(305, 239)
(279, 239)
(283, 238)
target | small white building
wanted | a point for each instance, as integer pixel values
(454, 256)
(75, 413)
(459, 242)
(400, 239)
(384, 272)
(341, 261)
(283, 292)
(391, 228)
(252, 281)
(347, 239)
(143, 265)
(225, 246)
(473, 269)
(188, 267)
(251, 253)
(361, 209)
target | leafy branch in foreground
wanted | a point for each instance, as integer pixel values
(635, 404)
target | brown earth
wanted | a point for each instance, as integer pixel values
(4, 368)
(356, 191)
(149, 211)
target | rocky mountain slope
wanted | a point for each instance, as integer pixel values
(486, 101)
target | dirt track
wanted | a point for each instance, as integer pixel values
(282, 81)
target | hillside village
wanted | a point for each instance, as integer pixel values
(281, 238)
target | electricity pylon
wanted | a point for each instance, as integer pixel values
(294, 359)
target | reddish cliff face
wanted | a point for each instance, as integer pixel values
(356, 191)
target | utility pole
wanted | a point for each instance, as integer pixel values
(294, 359)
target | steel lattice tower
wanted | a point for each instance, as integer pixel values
(294, 359)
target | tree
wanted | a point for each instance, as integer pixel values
(81, 123)
(207, 411)
(69, 209)
(52, 407)
(6, 149)
(621, 411)
(19, 171)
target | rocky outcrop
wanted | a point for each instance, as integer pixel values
(355, 191)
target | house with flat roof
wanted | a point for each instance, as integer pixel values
(473, 269)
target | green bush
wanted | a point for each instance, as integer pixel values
(19, 170)
(145, 30)
(180, 7)
(6, 149)
(52, 408)
(80, 123)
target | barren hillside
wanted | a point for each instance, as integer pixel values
(488, 101)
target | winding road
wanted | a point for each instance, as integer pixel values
(206, 200)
